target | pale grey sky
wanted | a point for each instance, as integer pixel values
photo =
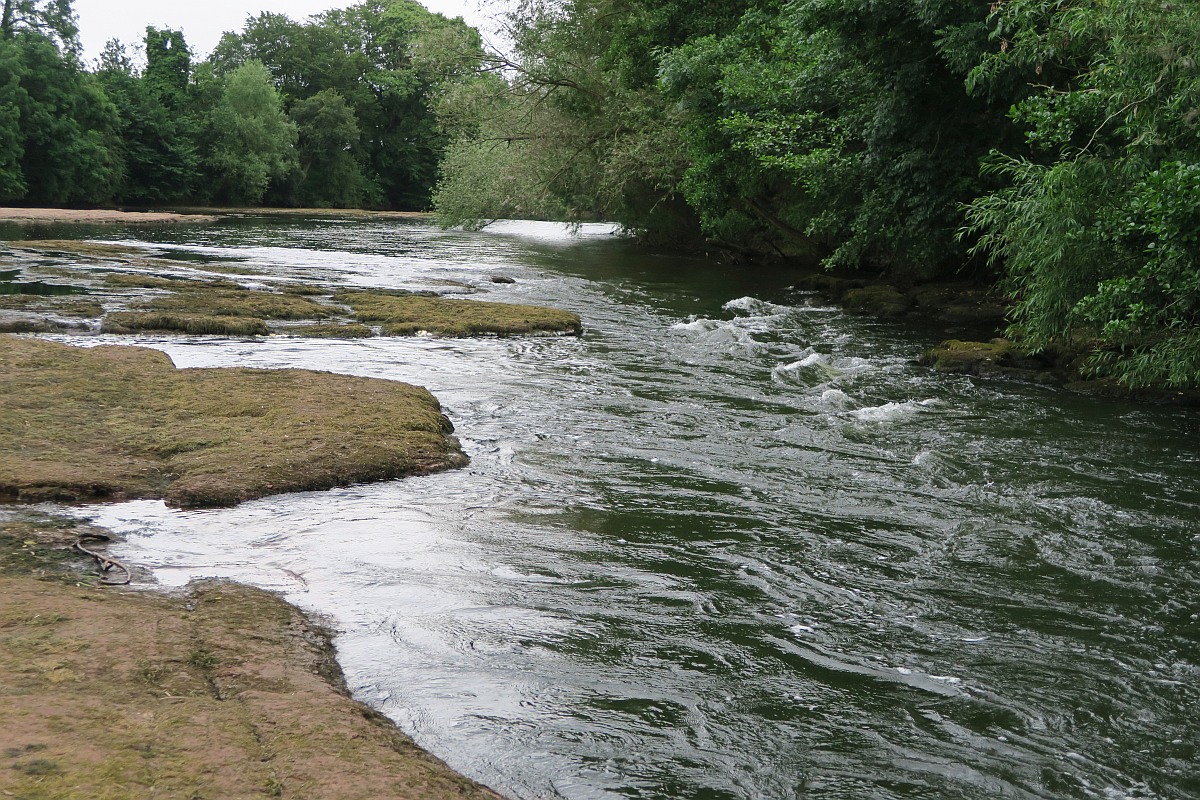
(203, 21)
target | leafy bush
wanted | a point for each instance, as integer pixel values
(1098, 228)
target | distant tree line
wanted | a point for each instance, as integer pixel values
(335, 111)
(1051, 145)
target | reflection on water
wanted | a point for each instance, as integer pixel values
(728, 544)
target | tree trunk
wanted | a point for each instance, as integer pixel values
(6, 23)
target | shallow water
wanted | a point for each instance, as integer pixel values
(728, 544)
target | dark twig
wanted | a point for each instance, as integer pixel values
(102, 561)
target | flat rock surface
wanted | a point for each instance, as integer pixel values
(122, 422)
(223, 692)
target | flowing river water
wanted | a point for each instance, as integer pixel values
(730, 543)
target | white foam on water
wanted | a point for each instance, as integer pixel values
(922, 458)
(835, 397)
(755, 307)
(853, 364)
(719, 332)
(890, 412)
(701, 325)
(813, 369)
(812, 359)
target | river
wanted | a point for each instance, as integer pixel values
(730, 543)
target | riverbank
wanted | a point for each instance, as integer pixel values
(124, 423)
(341, 213)
(223, 690)
(219, 691)
(100, 216)
(187, 215)
(79, 286)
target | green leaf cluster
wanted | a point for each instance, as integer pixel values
(57, 127)
(1053, 146)
(1098, 223)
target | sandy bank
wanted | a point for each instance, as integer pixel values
(100, 216)
(348, 213)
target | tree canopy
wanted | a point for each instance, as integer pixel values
(334, 110)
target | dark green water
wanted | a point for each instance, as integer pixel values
(10, 283)
(728, 544)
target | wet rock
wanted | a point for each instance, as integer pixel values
(973, 358)
(831, 286)
(28, 326)
(501, 279)
(962, 305)
(880, 300)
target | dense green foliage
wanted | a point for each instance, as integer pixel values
(334, 111)
(1098, 225)
(59, 130)
(356, 71)
(251, 141)
(157, 135)
(840, 128)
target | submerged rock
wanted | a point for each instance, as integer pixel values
(974, 358)
(406, 314)
(881, 300)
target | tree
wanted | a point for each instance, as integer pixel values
(168, 67)
(832, 128)
(402, 141)
(559, 129)
(327, 133)
(840, 128)
(68, 127)
(364, 53)
(52, 19)
(1099, 227)
(252, 142)
(12, 150)
(157, 125)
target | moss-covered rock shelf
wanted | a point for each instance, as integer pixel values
(123, 422)
(404, 314)
(127, 291)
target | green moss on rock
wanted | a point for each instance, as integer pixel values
(108, 422)
(50, 304)
(407, 314)
(831, 286)
(28, 326)
(143, 280)
(970, 357)
(331, 331)
(128, 322)
(239, 303)
(881, 300)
